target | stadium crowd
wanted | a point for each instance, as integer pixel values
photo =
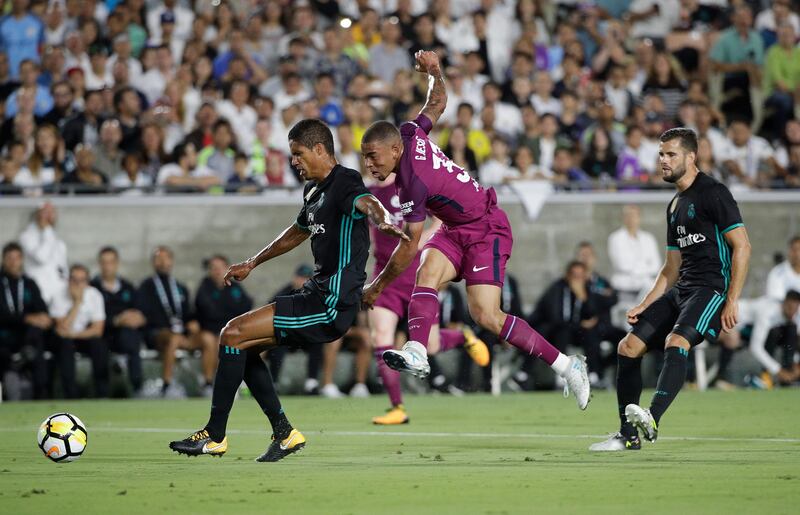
(140, 96)
(51, 311)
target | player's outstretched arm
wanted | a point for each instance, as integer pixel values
(290, 238)
(740, 261)
(379, 216)
(402, 256)
(664, 280)
(428, 62)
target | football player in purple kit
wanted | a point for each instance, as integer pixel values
(392, 306)
(473, 243)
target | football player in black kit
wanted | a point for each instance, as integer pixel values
(335, 207)
(694, 296)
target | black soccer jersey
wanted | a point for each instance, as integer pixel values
(697, 220)
(339, 236)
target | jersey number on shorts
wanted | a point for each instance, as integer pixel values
(441, 160)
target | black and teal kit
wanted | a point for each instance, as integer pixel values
(697, 221)
(325, 308)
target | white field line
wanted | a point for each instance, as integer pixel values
(532, 436)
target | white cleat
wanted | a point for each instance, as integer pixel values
(413, 358)
(360, 391)
(331, 391)
(617, 442)
(642, 420)
(577, 379)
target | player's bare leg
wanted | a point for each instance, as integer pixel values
(483, 301)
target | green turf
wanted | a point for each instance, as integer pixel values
(512, 454)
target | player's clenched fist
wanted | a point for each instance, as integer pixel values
(426, 61)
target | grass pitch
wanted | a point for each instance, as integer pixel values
(520, 453)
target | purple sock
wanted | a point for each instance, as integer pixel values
(389, 377)
(518, 333)
(423, 312)
(450, 339)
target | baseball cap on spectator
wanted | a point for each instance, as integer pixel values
(167, 17)
(304, 270)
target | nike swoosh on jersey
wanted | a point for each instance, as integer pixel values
(476, 269)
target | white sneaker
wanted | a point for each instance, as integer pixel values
(174, 391)
(617, 442)
(359, 390)
(208, 390)
(331, 391)
(413, 358)
(311, 386)
(643, 420)
(577, 379)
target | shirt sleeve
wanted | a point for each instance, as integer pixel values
(302, 220)
(97, 306)
(408, 129)
(724, 210)
(672, 243)
(349, 188)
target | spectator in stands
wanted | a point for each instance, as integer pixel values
(45, 167)
(79, 314)
(334, 61)
(618, 93)
(184, 174)
(183, 19)
(203, 134)
(600, 160)
(497, 169)
(573, 121)
(525, 167)
(330, 105)
(769, 20)
(705, 120)
(29, 82)
(666, 80)
(124, 323)
(85, 178)
(96, 72)
(615, 131)
(45, 252)
(277, 355)
(154, 80)
(542, 99)
(634, 255)
(215, 304)
(21, 35)
(789, 138)
(108, 154)
(388, 57)
(23, 321)
(508, 118)
(133, 179)
(629, 168)
(129, 108)
(9, 169)
(239, 114)
(63, 105)
(782, 78)
(459, 152)
(84, 127)
(170, 322)
(749, 159)
(123, 53)
(739, 54)
(706, 161)
(242, 180)
(564, 170)
(218, 157)
(792, 177)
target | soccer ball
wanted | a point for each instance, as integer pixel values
(62, 437)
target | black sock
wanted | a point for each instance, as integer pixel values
(164, 386)
(259, 381)
(629, 388)
(229, 376)
(670, 381)
(725, 356)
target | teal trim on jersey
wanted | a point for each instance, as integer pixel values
(304, 227)
(732, 227)
(335, 282)
(711, 308)
(724, 257)
(358, 215)
(670, 247)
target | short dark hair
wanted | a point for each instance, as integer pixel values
(687, 137)
(79, 266)
(120, 93)
(794, 239)
(310, 132)
(214, 257)
(11, 247)
(163, 248)
(585, 243)
(793, 295)
(573, 264)
(107, 249)
(380, 131)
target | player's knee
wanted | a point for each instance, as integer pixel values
(674, 340)
(629, 348)
(230, 335)
(489, 319)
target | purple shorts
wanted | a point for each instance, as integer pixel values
(479, 250)
(397, 295)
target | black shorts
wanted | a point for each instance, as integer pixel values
(302, 318)
(692, 313)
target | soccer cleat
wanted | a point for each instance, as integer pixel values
(643, 420)
(577, 381)
(413, 358)
(475, 347)
(199, 443)
(278, 450)
(394, 416)
(618, 442)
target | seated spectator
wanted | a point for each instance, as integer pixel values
(84, 127)
(216, 303)
(23, 322)
(497, 169)
(184, 174)
(45, 166)
(29, 76)
(45, 252)
(666, 80)
(79, 314)
(600, 161)
(133, 176)
(242, 180)
(171, 324)
(240, 115)
(218, 157)
(525, 167)
(705, 118)
(459, 152)
(750, 160)
(85, 178)
(277, 355)
(203, 134)
(564, 169)
(129, 108)
(634, 255)
(629, 169)
(573, 120)
(388, 56)
(95, 71)
(108, 154)
(769, 21)
(63, 105)
(618, 93)
(781, 79)
(791, 179)
(9, 169)
(124, 323)
(542, 98)
(21, 34)
(706, 162)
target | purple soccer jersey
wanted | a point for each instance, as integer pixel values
(428, 180)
